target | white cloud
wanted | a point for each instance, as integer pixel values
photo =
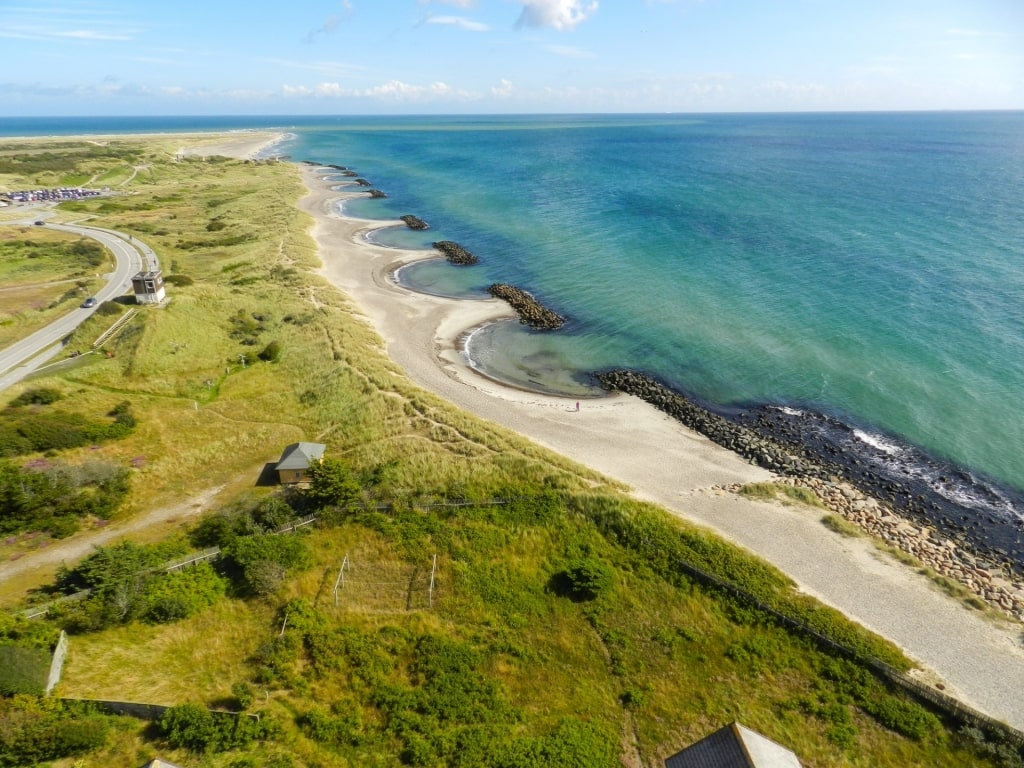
(393, 90)
(569, 51)
(460, 22)
(502, 90)
(40, 33)
(557, 14)
(456, 3)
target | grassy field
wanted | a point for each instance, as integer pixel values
(43, 274)
(507, 666)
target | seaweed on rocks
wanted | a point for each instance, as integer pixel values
(455, 253)
(531, 312)
(414, 222)
(363, 182)
(376, 193)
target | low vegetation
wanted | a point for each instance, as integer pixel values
(464, 598)
(44, 273)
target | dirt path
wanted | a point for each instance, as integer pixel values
(41, 562)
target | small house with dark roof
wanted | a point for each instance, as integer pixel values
(296, 460)
(149, 287)
(734, 746)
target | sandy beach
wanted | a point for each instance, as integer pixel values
(977, 659)
(243, 145)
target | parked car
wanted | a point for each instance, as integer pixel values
(40, 223)
(90, 302)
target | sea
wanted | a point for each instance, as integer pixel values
(862, 273)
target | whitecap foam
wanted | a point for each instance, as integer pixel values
(878, 442)
(788, 411)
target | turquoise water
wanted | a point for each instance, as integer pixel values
(868, 266)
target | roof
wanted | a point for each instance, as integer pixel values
(299, 455)
(734, 746)
(158, 763)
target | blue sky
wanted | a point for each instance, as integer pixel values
(199, 57)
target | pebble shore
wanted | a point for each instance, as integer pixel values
(994, 582)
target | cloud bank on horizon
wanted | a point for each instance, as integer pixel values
(117, 57)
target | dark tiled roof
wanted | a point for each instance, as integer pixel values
(299, 455)
(734, 746)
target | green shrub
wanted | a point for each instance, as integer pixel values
(193, 727)
(584, 579)
(34, 731)
(271, 353)
(179, 594)
(905, 717)
(243, 694)
(38, 396)
(53, 497)
(23, 670)
(179, 281)
(332, 484)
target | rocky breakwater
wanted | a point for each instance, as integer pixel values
(455, 253)
(993, 581)
(414, 222)
(748, 444)
(363, 182)
(376, 193)
(531, 312)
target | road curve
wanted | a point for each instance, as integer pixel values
(130, 256)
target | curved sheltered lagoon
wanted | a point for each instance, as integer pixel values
(664, 462)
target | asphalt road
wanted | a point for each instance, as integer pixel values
(130, 256)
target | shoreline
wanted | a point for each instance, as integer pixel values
(977, 660)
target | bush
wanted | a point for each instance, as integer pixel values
(192, 727)
(332, 484)
(271, 353)
(35, 731)
(178, 280)
(54, 497)
(585, 578)
(39, 396)
(23, 670)
(905, 717)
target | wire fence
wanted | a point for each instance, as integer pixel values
(945, 703)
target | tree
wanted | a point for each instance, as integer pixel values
(333, 484)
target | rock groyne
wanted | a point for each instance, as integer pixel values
(531, 312)
(455, 253)
(414, 222)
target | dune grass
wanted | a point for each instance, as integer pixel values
(654, 660)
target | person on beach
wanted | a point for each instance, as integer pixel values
(577, 405)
